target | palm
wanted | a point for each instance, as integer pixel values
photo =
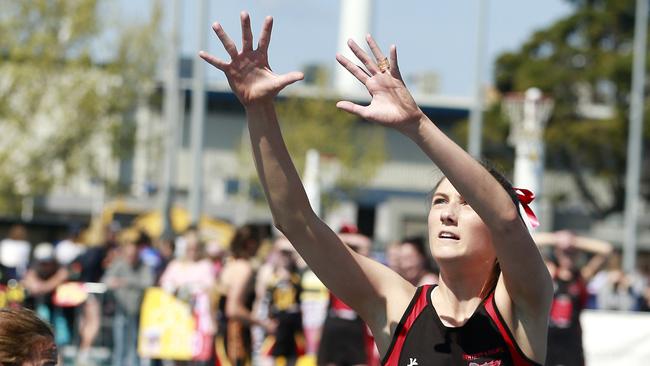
(248, 72)
(392, 104)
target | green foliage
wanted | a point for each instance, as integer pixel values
(59, 108)
(588, 51)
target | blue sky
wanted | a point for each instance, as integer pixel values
(431, 36)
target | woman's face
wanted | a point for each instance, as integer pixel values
(411, 263)
(455, 230)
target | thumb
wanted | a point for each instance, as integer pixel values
(289, 78)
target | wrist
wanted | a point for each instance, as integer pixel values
(417, 126)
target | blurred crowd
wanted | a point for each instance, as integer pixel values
(253, 299)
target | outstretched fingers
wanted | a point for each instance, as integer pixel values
(355, 70)
(376, 51)
(363, 57)
(246, 33)
(265, 35)
(228, 44)
(394, 68)
(214, 61)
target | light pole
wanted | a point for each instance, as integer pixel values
(528, 115)
(635, 136)
(198, 118)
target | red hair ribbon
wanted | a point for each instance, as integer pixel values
(525, 197)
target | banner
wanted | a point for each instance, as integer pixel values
(616, 338)
(172, 329)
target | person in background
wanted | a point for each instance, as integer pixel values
(71, 247)
(346, 339)
(89, 267)
(392, 256)
(191, 279)
(237, 286)
(615, 289)
(570, 295)
(14, 252)
(127, 278)
(414, 263)
(26, 340)
(41, 280)
(282, 289)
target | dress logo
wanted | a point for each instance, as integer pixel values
(412, 362)
(489, 363)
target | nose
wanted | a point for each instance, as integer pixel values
(449, 214)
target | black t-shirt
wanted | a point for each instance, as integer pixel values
(422, 339)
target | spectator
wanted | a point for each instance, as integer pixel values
(25, 339)
(14, 252)
(89, 267)
(346, 339)
(41, 279)
(615, 290)
(127, 277)
(235, 316)
(68, 249)
(283, 290)
(191, 278)
(414, 263)
(570, 295)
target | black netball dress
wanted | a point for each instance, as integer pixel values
(421, 339)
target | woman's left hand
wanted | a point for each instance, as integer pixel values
(392, 104)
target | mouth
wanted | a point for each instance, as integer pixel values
(448, 235)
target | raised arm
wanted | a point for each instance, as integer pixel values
(362, 283)
(564, 239)
(524, 272)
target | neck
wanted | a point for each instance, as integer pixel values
(460, 289)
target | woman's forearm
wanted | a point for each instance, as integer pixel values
(284, 191)
(473, 182)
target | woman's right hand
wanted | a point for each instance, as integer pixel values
(248, 73)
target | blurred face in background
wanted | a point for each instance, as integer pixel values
(411, 263)
(130, 252)
(192, 247)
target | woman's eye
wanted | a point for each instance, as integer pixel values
(438, 201)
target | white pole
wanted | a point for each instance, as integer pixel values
(635, 135)
(311, 180)
(171, 110)
(354, 22)
(198, 117)
(529, 148)
(476, 114)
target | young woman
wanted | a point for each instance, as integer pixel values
(475, 231)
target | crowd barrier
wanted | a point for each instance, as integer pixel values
(616, 338)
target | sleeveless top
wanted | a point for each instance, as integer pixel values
(422, 339)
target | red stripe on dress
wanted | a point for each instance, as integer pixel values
(420, 305)
(517, 357)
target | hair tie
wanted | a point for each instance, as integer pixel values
(525, 197)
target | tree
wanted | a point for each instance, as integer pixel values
(64, 114)
(585, 57)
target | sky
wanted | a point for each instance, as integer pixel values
(431, 35)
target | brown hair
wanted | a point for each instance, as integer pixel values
(22, 336)
(241, 241)
(491, 282)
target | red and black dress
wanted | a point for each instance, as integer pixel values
(421, 339)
